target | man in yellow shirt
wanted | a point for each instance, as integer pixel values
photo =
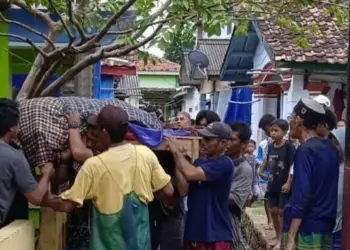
(120, 182)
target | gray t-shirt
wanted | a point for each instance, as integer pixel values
(15, 175)
(241, 184)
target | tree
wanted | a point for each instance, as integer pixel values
(85, 25)
(180, 41)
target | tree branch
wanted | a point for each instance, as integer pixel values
(24, 26)
(153, 17)
(44, 79)
(27, 40)
(69, 33)
(69, 74)
(91, 59)
(35, 12)
(112, 20)
(134, 47)
(75, 22)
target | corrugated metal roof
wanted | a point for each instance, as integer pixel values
(215, 49)
(129, 85)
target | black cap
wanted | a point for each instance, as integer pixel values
(216, 130)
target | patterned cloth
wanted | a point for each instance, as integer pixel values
(209, 246)
(44, 128)
(309, 241)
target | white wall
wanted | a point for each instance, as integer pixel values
(191, 102)
(261, 58)
(226, 33)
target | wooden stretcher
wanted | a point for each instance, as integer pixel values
(53, 224)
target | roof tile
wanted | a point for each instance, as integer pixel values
(329, 47)
(157, 64)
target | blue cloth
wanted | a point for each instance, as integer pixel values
(261, 155)
(314, 188)
(208, 218)
(153, 137)
(239, 111)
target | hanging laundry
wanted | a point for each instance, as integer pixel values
(338, 103)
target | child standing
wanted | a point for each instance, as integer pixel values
(254, 163)
(278, 162)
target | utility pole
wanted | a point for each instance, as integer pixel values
(346, 195)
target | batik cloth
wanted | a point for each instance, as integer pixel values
(121, 183)
(309, 241)
(208, 246)
(44, 128)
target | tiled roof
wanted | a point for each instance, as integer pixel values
(215, 49)
(330, 46)
(129, 85)
(157, 64)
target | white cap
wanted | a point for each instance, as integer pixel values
(324, 100)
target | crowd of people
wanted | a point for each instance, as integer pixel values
(297, 170)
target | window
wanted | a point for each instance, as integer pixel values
(190, 110)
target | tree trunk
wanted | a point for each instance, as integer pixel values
(83, 81)
(30, 80)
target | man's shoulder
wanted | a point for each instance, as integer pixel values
(245, 167)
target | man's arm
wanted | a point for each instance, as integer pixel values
(188, 171)
(79, 150)
(26, 182)
(301, 195)
(81, 190)
(181, 183)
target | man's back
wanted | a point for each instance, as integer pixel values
(121, 182)
(14, 171)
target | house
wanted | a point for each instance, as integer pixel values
(158, 80)
(283, 72)
(209, 91)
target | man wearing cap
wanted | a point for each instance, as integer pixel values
(208, 223)
(120, 182)
(309, 217)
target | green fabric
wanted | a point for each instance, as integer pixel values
(309, 241)
(127, 229)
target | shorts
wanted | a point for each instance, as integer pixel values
(277, 200)
(308, 241)
(263, 191)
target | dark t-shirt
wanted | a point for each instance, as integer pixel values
(15, 176)
(208, 209)
(279, 161)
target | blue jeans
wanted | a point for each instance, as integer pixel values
(337, 240)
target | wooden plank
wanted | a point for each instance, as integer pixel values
(52, 230)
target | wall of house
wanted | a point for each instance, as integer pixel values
(158, 81)
(261, 58)
(191, 103)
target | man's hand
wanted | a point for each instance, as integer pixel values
(173, 144)
(72, 118)
(48, 170)
(286, 188)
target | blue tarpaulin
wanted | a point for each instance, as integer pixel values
(237, 111)
(153, 137)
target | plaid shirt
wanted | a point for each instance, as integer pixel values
(44, 128)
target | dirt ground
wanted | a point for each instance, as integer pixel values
(259, 218)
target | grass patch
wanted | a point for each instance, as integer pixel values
(258, 208)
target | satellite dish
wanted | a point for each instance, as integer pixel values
(199, 62)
